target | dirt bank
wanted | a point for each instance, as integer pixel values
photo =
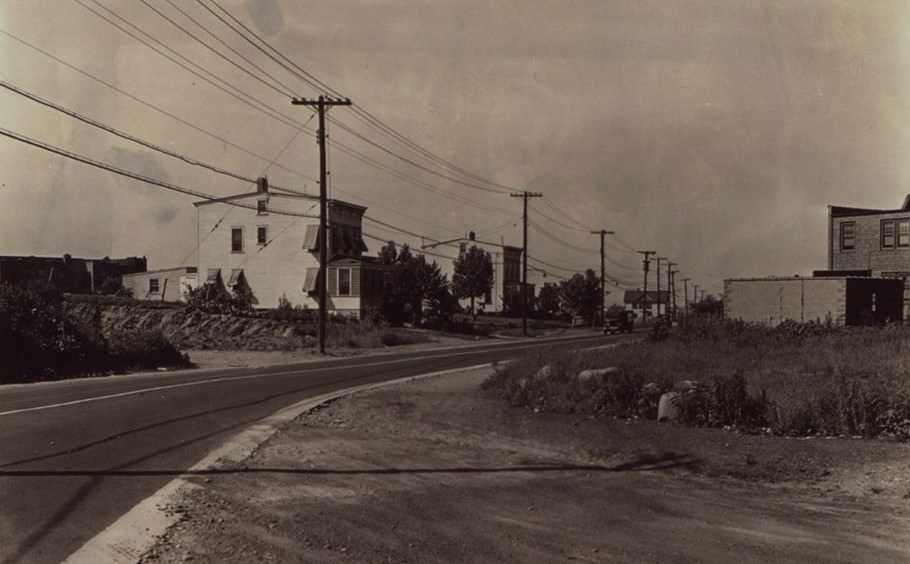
(437, 471)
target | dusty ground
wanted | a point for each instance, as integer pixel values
(437, 471)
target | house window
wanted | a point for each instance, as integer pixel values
(344, 281)
(887, 234)
(262, 207)
(847, 236)
(262, 235)
(903, 233)
(237, 239)
(154, 286)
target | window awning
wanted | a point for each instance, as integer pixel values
(311, 239)
(312, 275)
(359, 244)
(236, 276)
(212, 276)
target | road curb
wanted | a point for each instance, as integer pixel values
(136, 531)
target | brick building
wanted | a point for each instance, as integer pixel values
(67, 273)
(870, 242)
(276, 255)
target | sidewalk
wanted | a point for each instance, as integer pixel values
(437, 471)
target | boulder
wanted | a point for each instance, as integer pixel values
(667, 409)
(544, 372)
(596, 373)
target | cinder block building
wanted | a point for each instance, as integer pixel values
(842, 300)
(268, 241)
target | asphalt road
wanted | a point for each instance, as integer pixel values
(75, 455)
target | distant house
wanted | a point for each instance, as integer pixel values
(635, 300)
(506, 288)
(869, 242)
(164, 285)
(67, 273)
(276, 255)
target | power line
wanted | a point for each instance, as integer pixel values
(129, 174)
(127, 136)
(192, 36)
(201, 72)
(314, 82)
(149, 104)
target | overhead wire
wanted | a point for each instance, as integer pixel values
(317, 84)
(127, 136)
(150, 105)
(129, 174)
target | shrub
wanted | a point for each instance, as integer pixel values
(143, 349)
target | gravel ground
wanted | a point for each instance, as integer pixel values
(438, 471)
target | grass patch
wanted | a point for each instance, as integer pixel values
(795, 379)
(366, 336)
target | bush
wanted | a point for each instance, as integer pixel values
(39, 341)
(143, 349)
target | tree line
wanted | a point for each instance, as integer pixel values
(417, 291)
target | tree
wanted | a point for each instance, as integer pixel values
(548, 300)
(709, 305)
(413, 283)
(473, 275)
(581, 295)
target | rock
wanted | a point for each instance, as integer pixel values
(545, 371)
(596, 373)
(666, 407)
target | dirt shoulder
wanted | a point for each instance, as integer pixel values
(438, 471)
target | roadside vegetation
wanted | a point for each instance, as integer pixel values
(794, 379)
(39, 340)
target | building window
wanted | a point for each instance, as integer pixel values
(887, 234)
(847, 236)
(154, 286)
(236, 239)
(262, 235)
(262, 207)
(903, 233)
(344, 281)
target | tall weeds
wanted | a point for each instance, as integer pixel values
(795, 379)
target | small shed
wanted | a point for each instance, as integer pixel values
(845, 300)
(164, 285)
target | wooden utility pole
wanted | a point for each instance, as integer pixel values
(644, 299)
(322, 104)
(670, 266)
(524, 269)
(658, 259)
(673, 274)
(694, 298)
(686, 296)
(603, 272)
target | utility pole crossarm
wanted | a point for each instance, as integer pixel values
(524, 271)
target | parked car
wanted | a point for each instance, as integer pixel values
(618, 322)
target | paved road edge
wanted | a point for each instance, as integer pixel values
(131, 535)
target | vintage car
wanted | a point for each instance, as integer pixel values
(618, 322)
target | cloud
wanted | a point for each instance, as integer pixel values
(266, 15)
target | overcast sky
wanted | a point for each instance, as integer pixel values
(713, 132)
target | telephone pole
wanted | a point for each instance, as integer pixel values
(322, 104)
(603, 280)
(694, 298)
(670, 266)
(673, 274)
(644, 299)
(686, 296)
(524, 269)
(658, 259)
